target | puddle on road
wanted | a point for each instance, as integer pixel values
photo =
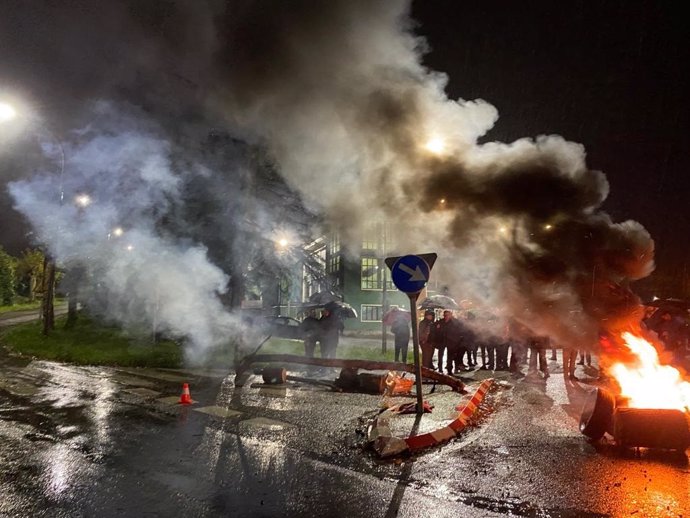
(517, 507)
(218, 411)
(265, 423)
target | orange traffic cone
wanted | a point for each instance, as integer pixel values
(186, 397)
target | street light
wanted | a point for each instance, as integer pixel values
(117, 232)
(82, 200)
(7, 112)
(435, 145)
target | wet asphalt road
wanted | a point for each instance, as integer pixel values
(91, 441)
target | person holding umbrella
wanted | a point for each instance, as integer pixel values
(447, 336)
(401, 330)
(426, 341)
(310, 333)
(329, 327)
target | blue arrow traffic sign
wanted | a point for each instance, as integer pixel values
(410, 273)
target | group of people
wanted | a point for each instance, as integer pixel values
(454, 342)
(458, 346)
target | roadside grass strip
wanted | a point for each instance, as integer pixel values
(386, 445)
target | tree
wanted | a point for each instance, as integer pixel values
(47, 305)
(29, 273)
(7, 278)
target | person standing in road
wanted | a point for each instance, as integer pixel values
(329, 333)
(585, 355)
(401, 330)
(426, 342)
(502, 347)
(447, 338)
(537, 351)
(310, 333)
(516, 334)
(569, 361)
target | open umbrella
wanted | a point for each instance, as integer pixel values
(439, 302)
(323, 297)
(341, 309)
(390, 316)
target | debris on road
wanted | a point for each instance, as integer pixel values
(243, 367)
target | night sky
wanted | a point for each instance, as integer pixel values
(613, 76)
(610, 75)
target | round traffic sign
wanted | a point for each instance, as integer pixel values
(410, 273)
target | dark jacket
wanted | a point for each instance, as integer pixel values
(401, 328)
(426, 328)
(329, 329)
(447, 334)
(310, 328)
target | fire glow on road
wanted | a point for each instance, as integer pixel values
(646, 382)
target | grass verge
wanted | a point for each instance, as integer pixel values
(94, 343)
(25, 306)
(91, 343)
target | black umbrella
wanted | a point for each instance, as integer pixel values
(341, 309)
(439, 302)
(323, 297)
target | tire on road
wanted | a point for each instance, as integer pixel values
(274, 375)
(597, 414)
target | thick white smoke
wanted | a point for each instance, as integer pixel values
(365, 132)
(139, 275)
(338, 93)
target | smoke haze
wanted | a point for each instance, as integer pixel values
(338, 95)
(341, 96)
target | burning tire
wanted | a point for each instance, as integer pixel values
(597, 415)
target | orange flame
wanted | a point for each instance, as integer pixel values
(646, 382)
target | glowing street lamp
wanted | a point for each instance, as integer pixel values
(117, 232)
(282, 244)
(435, 145)
(7, 112)
(82, 200)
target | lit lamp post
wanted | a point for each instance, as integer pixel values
(282, 247)
(75, 271)
(8, 113)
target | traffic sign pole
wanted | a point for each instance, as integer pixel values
(410, 273)
(415, 349)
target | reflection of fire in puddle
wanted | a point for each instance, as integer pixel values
(265, 423)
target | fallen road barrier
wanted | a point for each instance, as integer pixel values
(387, 445)
(246, 363)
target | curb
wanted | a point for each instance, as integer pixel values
(386, 445)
